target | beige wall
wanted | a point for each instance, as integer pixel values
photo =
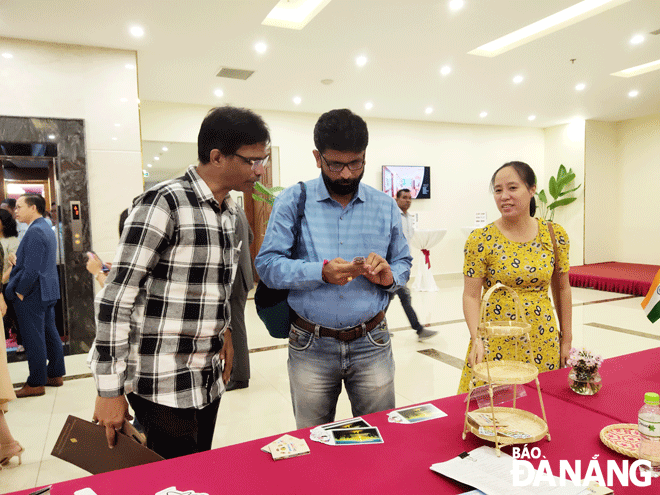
(75, 82)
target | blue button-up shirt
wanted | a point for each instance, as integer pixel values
(371, 222)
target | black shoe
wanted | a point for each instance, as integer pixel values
(235, 385)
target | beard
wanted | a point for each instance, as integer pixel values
(342, 187)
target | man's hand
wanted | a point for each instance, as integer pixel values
(111, 412)
(341, 272)
(378, 270)
(11, 257)
(3, 305)
(227, 355)
(20, 296)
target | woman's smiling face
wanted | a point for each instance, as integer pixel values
(512, 196)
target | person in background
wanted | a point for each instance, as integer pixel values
(9, 204)
(95, 265)
(9, 243)
(34, 289)
(244, 281)
(350, 255)
(403, 200)
(163, 339)
(518, 251)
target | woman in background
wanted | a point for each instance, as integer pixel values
(9, 243)
(517, 250)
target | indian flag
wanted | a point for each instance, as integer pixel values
(651, 302)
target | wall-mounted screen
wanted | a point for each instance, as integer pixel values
(417, 179)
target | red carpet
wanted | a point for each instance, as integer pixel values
(626, 278)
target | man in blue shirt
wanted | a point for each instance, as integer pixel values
(350, 255)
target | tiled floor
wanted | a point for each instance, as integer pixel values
(612, 324)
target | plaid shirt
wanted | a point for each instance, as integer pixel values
(162, 313)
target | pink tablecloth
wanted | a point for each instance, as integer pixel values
(400, 465)
(625, 381)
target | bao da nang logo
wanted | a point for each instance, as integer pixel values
(575, 472)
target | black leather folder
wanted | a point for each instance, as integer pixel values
(84, 444)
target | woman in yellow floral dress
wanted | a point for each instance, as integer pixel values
(517, 250)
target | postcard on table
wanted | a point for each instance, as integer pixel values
(416, 414)
(355, 436)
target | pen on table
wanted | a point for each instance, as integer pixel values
(41, 491)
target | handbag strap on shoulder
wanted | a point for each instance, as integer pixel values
(299, 216)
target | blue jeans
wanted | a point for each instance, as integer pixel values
(319, 365)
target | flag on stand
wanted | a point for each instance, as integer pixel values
(651, 302)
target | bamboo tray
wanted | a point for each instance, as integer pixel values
(622, 438)
(514, 419)
(507, 372)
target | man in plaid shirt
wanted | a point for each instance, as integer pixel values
(163, 316)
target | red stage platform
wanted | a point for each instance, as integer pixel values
(626, 278)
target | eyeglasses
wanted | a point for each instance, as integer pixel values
(339, 166)
(254, 162)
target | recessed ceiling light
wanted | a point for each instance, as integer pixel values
(368, 105)
(639, 69)
(636, 40)
(633, 93)
(261, 47)
(117, 125)
(294, 15)
(445, 70)
(219, 93)
(531, 117)
(429, 110)
(7, 55)
(114, 139)
(51, 136)
(129, 66)
(456, 4)
(518, 79)
(123, 100)
(137, 31)
(297, 100)
(559, 20)
(580, 86)
(361, 61)
(149, 165)
(156, 158)
(165, 148)
(483, 114)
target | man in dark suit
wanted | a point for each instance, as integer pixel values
(244, 281)
(34, 289)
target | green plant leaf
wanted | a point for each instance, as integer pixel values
(259, 187)
(552, 188)
(570, 190)
(561, 172)
(542, 197)
(561, 202)
(276, 189)
(565, 180)
(256, 197)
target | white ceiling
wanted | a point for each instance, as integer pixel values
(406, 43)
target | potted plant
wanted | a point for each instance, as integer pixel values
(559, 196)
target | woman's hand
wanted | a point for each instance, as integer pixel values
(476, 352)
(564, 352)
(94, 264)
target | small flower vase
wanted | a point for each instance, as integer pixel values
(584, 381)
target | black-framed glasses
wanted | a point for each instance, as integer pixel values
(253, 162)
(339, 166)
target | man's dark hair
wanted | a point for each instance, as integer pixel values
(341, 130)
(36, 200)
(8, 224)
(401, 191)
(11, 202)
(227, 129)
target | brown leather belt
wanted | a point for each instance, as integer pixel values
(344, 335)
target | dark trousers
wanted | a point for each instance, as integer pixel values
(406, 302)
(240, 371)
(43, 346)
(173, 432)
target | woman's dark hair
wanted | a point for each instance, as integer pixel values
(341, 130)
(8, 224)
(526, 174)
(227, 129)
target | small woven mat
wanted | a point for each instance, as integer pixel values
(622, 438)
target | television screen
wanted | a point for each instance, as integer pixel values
(417, 179)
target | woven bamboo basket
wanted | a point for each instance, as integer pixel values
(514, 419)
(622, 438)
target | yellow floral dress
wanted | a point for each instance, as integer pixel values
(527, 268)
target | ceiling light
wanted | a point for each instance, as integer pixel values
(149, 165)
(165, 148)
(429, 110)
(114, 139)
(123, 100)
(559, 20)
(117, 125)
(51, 136)
(445, 70)
(219, 93)
(368, 105)
(129, 66)
(297, 100)
(633, 93)
(518, 79)
(156, 158)
(7, 55)
(580, 86)
(261, 47)
(361, 61)
(639, 69)
(456, 4)
(636, 40)
(483, 114)
(137, 31)
(531, 117)
(294, 15)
